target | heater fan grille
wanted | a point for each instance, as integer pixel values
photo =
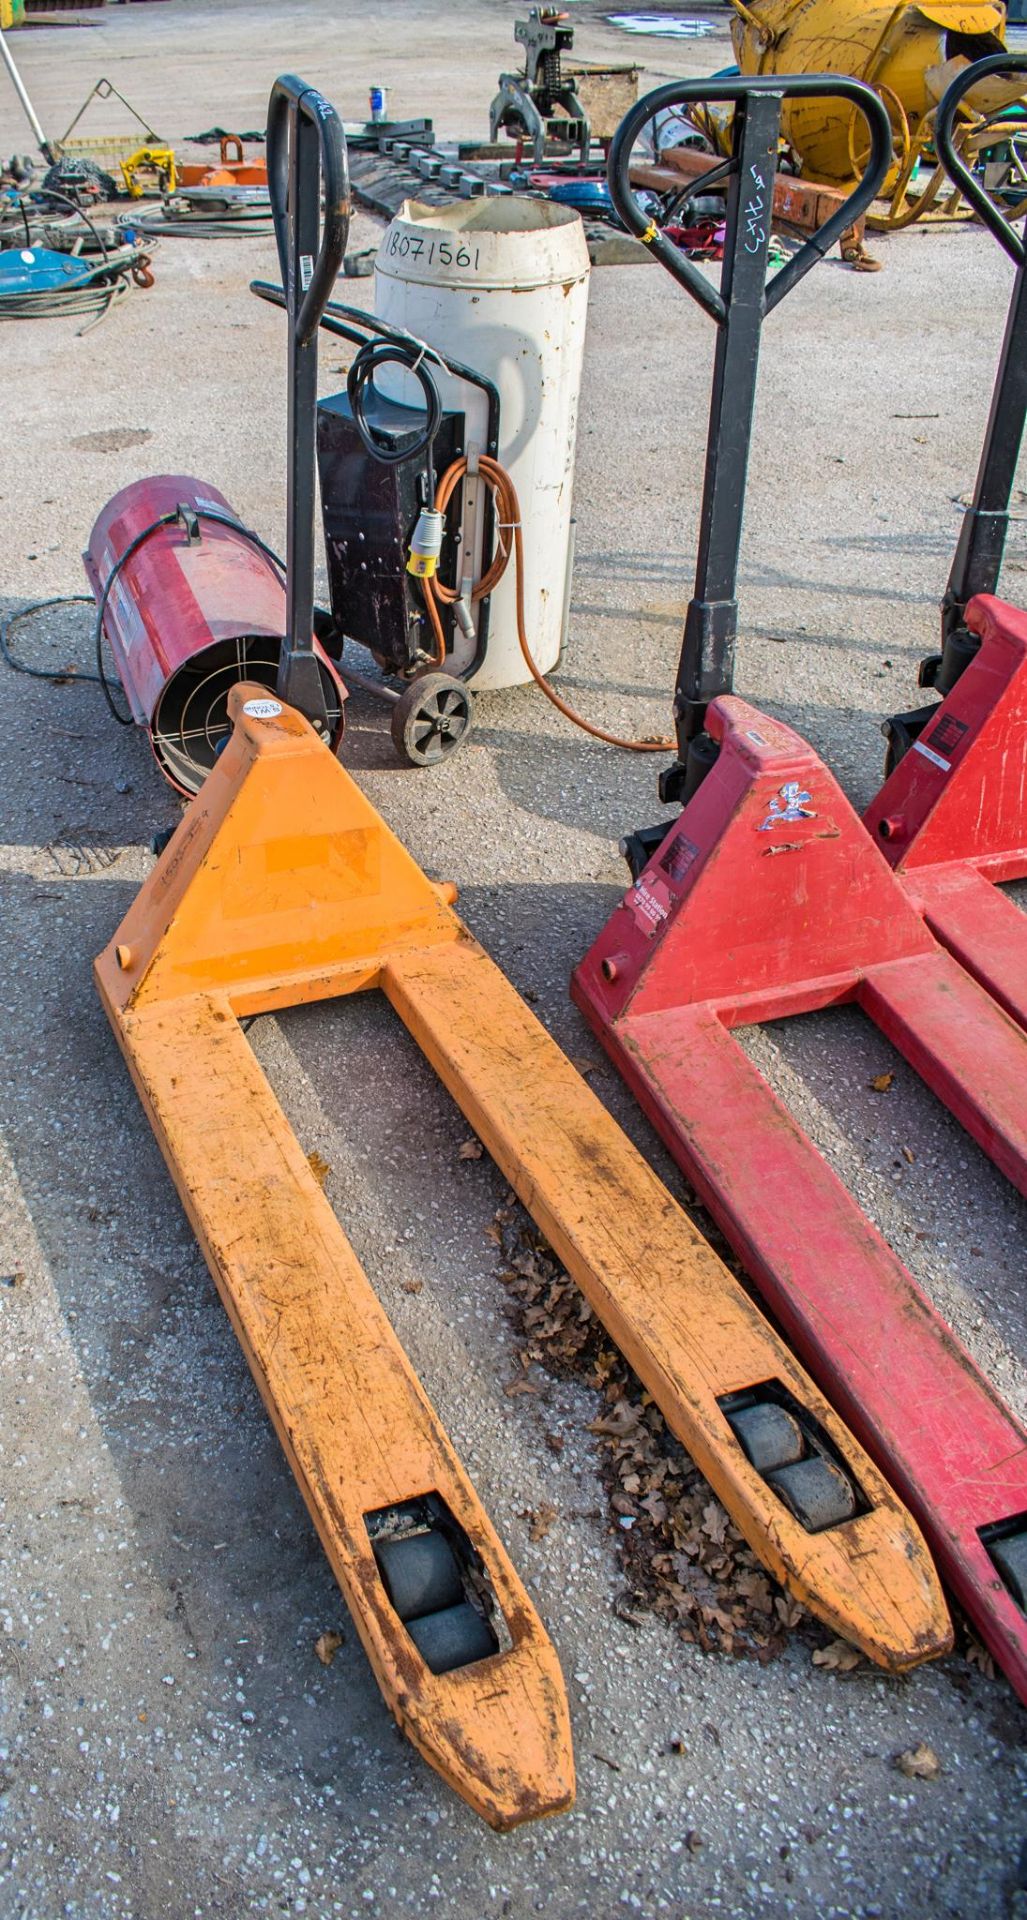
(191, 724)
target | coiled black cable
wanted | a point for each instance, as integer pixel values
(372, 356)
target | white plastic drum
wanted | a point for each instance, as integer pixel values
(502, 285)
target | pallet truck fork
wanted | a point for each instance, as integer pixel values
(765, 898)
(282, 885)
(951, 816)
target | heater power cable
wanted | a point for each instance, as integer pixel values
(178, 516)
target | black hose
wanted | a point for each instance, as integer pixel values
(372, 356)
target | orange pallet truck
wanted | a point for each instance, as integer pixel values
(283, 886)
(767, 897)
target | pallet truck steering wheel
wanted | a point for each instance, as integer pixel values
(738, 309)
(306, 156)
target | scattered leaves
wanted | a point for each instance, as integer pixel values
(541, 1518)
(471, 1149)
(326, 1646)
(918, 1763)
(881, 1083)
(318, 1166)
(838, 1657)
(679, 1551)
(976, 1655)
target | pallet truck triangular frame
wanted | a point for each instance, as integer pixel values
(282, 885)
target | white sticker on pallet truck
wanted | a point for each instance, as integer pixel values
(935, 758)
(263, 709)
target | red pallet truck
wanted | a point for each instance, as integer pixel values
(767, 897)
(951, 816)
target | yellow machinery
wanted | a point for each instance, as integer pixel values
(909, 53)
(158, 162)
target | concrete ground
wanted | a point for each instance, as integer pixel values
(170, 1745)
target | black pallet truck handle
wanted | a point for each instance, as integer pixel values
(306, 156)
(977, 561)
(693, 93)
(738, 309)
(955, 166)
(292, 100)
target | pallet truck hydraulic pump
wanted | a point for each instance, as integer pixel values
(767, 897)
(281, 886)
(951, 816)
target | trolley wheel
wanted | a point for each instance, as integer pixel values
(431, 719)
(453, 1638)
(816, 1492)
(420, 1574)
(770, 1436)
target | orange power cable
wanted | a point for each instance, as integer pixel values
(436, 593)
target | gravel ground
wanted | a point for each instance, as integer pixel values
(169, 1743)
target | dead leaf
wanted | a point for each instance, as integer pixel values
(838, 1657)
(470, 1150)
(882, 1082)
(918, 1763)
(12, 1279)
(908, 1154)
(318, 1166)
(541, 1518)
(519, 1386)
(326, 1646)
(585, 1067)
(976, 1655)
(693, 1841)
(412, 1286)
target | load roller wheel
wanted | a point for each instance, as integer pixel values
(431, 719)
(770, 1436)
(420, 1574)
(453, 1638)
(1010, 1557)
(816, 1492)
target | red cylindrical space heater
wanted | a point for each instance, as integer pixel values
(194, 607)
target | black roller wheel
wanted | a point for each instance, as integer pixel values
(1010, 1557)
(420, 1574)
(816, 1492)
(771, 1436)
(453, 1638)
(431, 719)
